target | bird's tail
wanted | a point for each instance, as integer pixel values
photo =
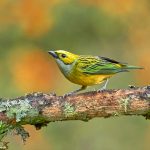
(132, 67)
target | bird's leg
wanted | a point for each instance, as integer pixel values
(80, 89)
(104, 86)
(76, 91)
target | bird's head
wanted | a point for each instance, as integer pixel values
(62, 56)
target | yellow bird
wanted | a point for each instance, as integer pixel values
(87, 70)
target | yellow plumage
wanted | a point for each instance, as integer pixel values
(88, 70)
(85, 79)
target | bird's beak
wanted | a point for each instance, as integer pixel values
(53, 54)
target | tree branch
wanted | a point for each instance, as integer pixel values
(39, 109)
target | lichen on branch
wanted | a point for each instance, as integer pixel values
(39, 109)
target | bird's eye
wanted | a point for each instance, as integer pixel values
(63, 55)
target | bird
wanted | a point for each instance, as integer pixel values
(88, 70)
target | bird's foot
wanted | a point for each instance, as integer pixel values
(101, 89)
(74, 92)
(132, 86)
(68, 94)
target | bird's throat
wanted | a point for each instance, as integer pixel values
(65, 69)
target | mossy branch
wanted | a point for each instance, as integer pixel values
(39, 109)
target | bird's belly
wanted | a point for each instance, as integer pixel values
(86, 80)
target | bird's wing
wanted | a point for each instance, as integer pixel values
(99, 65)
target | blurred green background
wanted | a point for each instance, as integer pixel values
(119, 29)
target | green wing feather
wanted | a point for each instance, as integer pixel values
(100, 65)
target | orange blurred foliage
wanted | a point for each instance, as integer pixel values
(5, 15)
(139, 38)
(144, 60)
(139, 27)
(33, 71)
(116, 7)
(33, 16)
(139, 35)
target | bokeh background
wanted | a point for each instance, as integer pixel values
(119, 29)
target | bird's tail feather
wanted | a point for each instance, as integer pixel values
(132, 67)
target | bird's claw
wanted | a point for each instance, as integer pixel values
(68, 94)
(101, 90)
(131, 86)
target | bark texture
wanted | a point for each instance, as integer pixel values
(39, 109)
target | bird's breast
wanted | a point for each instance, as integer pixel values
(76, 76)
(86, 79)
